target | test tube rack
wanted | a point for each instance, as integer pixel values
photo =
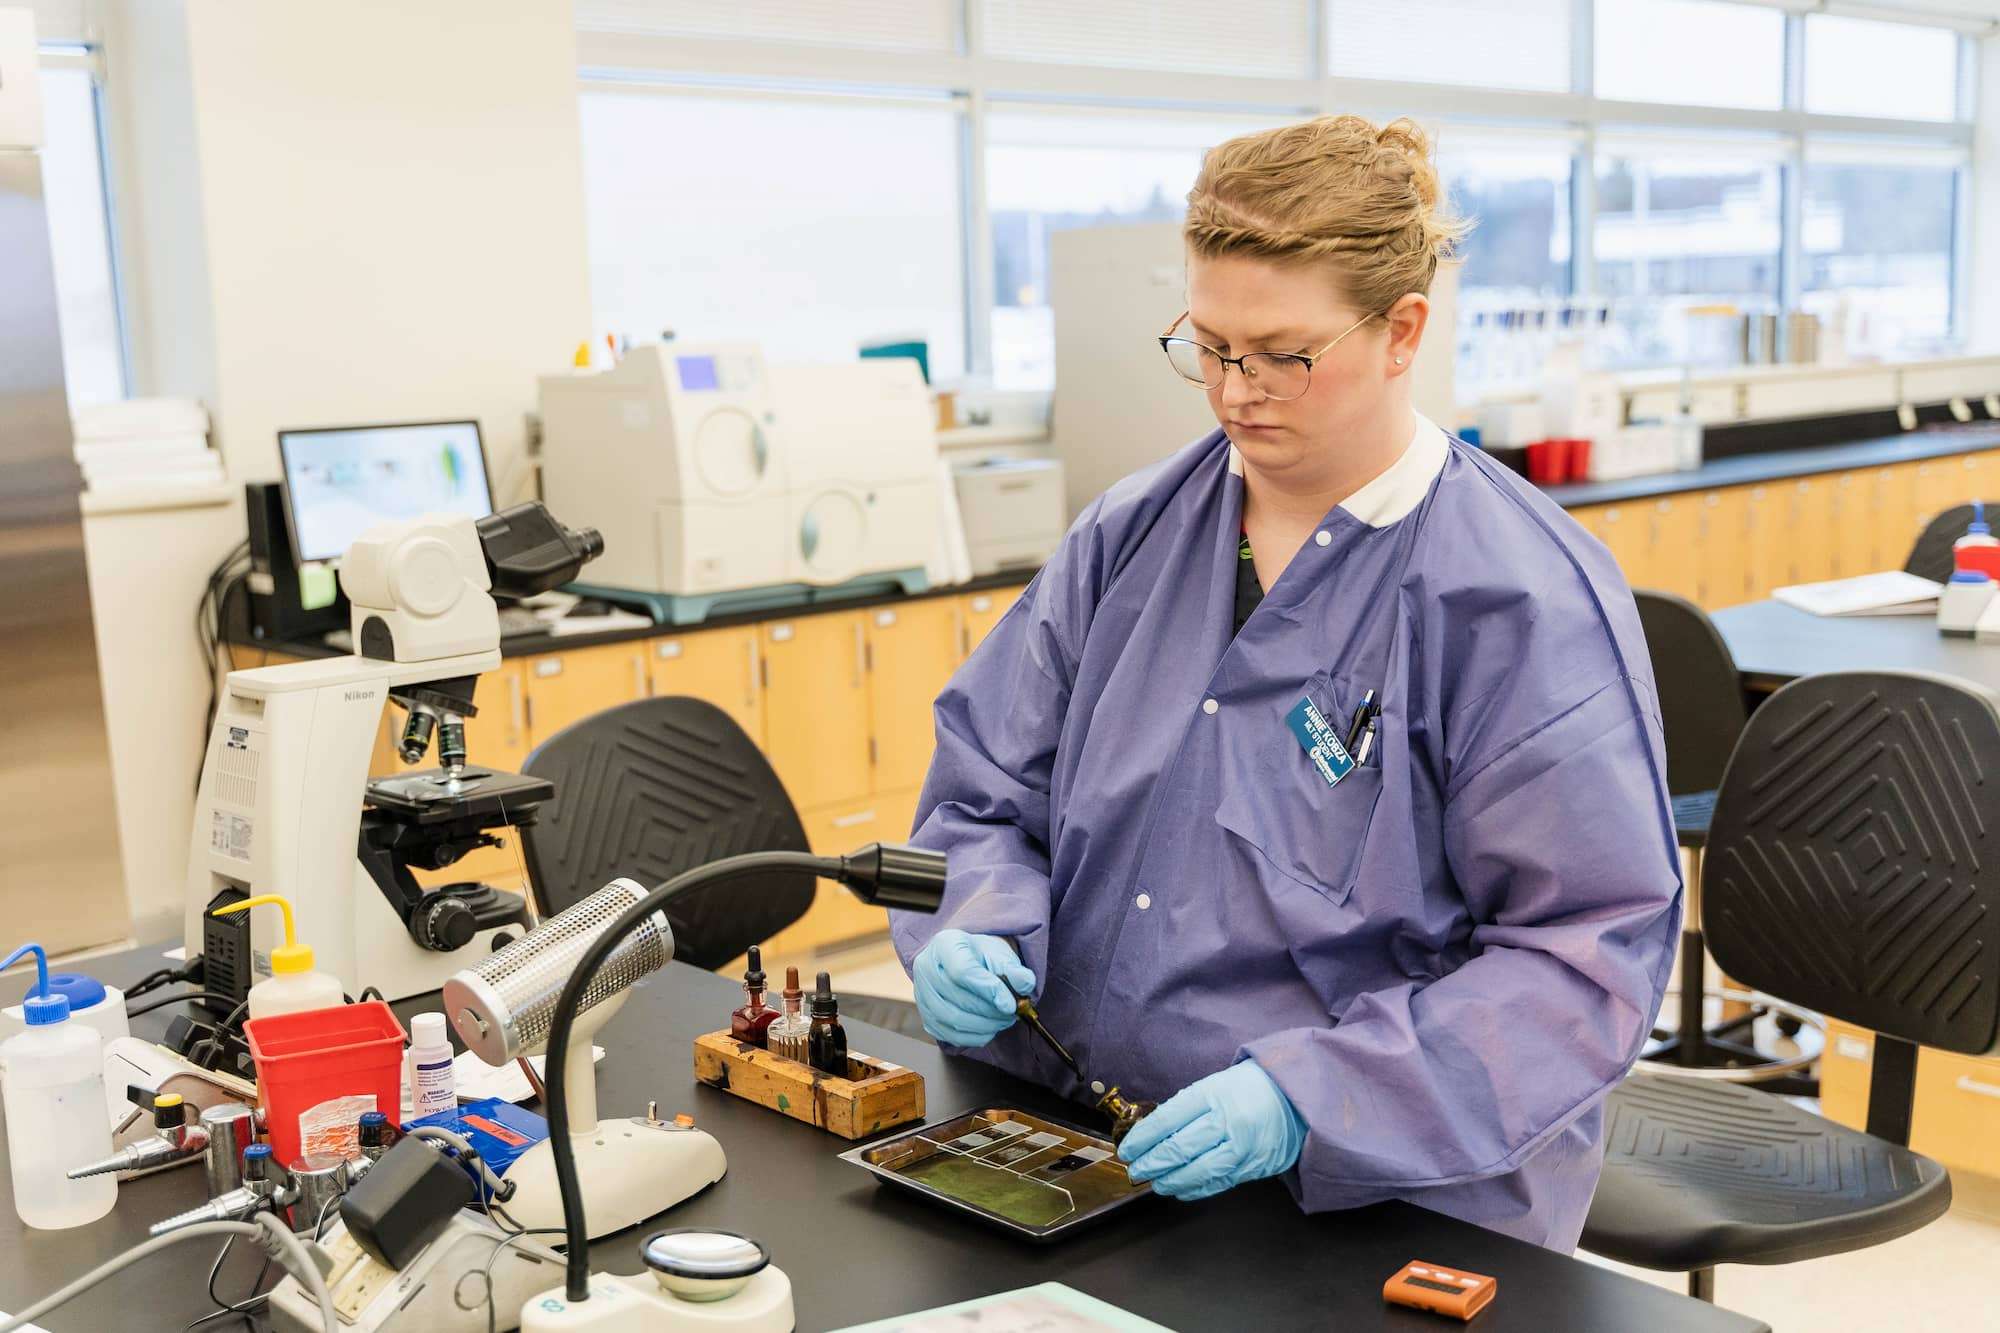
(875, 1095)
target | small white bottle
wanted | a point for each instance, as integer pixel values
(53, 1092)
(432, 1087)
(293, 986)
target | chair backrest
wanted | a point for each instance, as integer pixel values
(653, 788)
(1931, 557)
(1701, 692)
(1854, 859)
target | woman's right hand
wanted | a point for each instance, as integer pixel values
(967, 986)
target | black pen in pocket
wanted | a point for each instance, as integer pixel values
(1362, 712)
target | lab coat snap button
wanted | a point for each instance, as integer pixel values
(1144, 901)
(1323, 537)
(1097, 1086)
(1209, 706)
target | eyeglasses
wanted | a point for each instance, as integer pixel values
(1280, 376)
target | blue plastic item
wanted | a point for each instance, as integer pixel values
(81, 991)
(1978, 525)
(499, 1131)
(40, 1006)
(1470, 435)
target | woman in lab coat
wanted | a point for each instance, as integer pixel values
(1397, 953)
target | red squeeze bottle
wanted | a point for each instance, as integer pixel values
(748, 1023)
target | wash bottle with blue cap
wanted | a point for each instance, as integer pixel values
(52, 1086)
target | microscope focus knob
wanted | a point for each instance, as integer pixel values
(443, 923)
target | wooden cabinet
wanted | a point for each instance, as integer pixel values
(1626, 533)
(1891, 516)
(836, 915)
(816, 724)
(1722, 547)
(1672, 526)
(982, 611)
(912, 651)
(719, 666)
(569, 686)
(1956, 1116)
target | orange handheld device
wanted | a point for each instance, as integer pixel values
(1451, 1292)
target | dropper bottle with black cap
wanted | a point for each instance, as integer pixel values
(826, 1043)
(749, 1023)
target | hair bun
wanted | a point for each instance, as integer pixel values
(1407, 140)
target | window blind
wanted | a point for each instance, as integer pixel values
(882, 25)
(1252, 38)
(1522, 44)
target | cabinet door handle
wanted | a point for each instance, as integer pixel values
(751, 681)
(517, 708)
(860, 653)
(642, 688)
(857, 818)
(1967, 1083)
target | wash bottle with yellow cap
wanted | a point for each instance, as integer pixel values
(293, 985)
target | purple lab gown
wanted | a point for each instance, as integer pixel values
(1444, 960)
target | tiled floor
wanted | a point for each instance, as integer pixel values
(1933, 1279)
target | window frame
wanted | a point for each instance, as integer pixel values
(66, 55)
(984, 82)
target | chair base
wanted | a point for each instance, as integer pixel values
(1722, 1050)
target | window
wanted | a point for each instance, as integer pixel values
(1862, 67)
(1466, 43)
(1047, 172)
(810, 226)
(1252, 38)
(1878, 244)
(1517, 256)
(1684, 228)
(1700, 52)
(882, 25)
(80, 238)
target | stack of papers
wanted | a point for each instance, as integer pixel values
(1894, 593)
(146, 443)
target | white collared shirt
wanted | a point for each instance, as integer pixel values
(1399, 488)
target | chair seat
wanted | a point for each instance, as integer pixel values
(1699, 1173)
(899, 1016)
(1692, 814)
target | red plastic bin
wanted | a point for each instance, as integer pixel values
(310, 1064)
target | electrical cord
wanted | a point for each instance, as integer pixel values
(208, 612)
(563, 1020)
(520, 1238)
(273, 1235)
(191, 996)
(166, 976)
(242, 1308)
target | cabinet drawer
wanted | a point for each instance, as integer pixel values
(1957, 1115)
(837, 916)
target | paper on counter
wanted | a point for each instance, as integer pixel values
(1048, 1308)
(475, 1080)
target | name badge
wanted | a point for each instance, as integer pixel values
(1318, 739)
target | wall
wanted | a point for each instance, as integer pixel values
(331, 211)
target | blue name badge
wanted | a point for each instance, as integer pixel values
(1320, 742)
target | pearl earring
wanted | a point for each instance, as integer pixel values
(1399, 360)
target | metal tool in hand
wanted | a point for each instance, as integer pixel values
(1121, 1111)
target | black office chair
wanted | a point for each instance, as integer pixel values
(1703, 713)
(1930, 558)
(653, 788)
(1854, 868)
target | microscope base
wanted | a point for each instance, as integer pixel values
(629, 1170)
(638, 1305)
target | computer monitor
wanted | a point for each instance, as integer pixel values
(341, 481)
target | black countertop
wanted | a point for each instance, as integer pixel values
(856, 1251)
(1748, 469)
(237, 632)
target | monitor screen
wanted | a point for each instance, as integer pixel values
(341, 482)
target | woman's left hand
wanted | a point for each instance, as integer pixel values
(1215, 1134)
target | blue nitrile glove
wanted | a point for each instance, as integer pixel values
(967, 985)
(1215, 1134)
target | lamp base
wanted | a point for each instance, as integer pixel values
(637, 1305)
(629, 1170)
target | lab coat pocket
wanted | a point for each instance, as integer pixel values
(1305, 830)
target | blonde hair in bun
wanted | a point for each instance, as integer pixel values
(1362, 198)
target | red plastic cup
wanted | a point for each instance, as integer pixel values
(315, 1070)
(1577, 458)
(1547, 464)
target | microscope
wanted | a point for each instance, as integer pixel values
(286, 805)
